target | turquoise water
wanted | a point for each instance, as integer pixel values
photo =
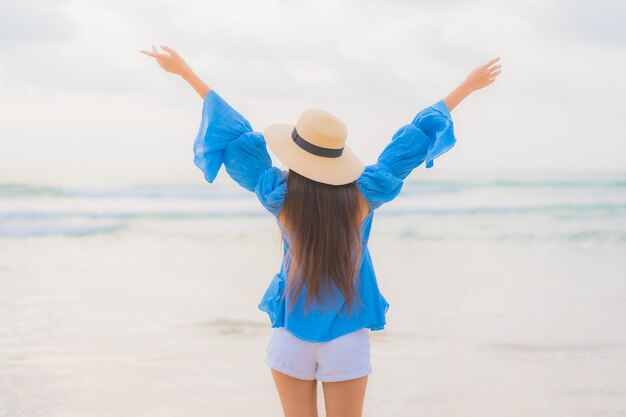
(591, 210)
(507, 296)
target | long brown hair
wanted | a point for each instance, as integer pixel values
(323, 227)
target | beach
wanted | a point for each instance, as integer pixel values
(507, 297)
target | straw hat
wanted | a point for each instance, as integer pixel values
(315, 148)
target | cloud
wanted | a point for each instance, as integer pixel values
(598, 21)
(27, 22)
(375, 64)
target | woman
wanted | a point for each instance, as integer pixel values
(325, 301)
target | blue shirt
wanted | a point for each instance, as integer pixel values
(226, 137)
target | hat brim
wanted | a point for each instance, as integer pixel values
(334, 171)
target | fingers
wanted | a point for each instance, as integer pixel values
(170, 50)
(492, 77)
(491, 62)
(155, 52)
(493, 69)
(152, 54)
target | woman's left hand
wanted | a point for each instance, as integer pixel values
(482, 76)
(171, 62)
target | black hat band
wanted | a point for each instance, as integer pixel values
(314, 149)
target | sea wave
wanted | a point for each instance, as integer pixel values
(556, 209)
(20, 190)
(141, 191)
(588, 205)
(607, 236)
(87, 222)
(585, 209)
(40, 228)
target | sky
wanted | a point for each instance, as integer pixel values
(80, 105)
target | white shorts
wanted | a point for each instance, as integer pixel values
(345, 357)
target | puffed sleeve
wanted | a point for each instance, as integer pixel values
(272, 189)
(226, 137)
(428, 136)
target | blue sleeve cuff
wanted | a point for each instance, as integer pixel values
(220, 125)
(436, 122)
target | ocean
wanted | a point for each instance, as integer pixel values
(507, 296)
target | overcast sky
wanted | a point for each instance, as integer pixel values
(80, 104)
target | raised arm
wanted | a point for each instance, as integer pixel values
(175, 64)
(429, 135)
(480, 77)
(226, 138)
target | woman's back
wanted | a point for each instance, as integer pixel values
(363, 212)
(227, 138)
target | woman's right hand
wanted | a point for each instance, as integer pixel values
(482, 76)
(173, 62)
